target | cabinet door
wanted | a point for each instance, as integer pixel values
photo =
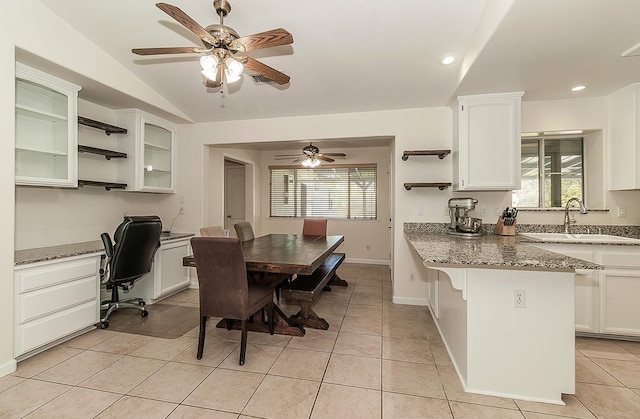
(150, 146)
(586, 301)
(158, 157)
(46, 129)
(620, 314)
(624, 157)
(171, 276)
(488, 147)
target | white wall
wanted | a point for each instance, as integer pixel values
(358, 234)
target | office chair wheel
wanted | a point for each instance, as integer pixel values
(144, 313)
(104, 324)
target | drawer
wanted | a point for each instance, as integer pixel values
(51, 299)
(628, 260)
(56, 273)
(56, 326)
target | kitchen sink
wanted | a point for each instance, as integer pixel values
(578, 238)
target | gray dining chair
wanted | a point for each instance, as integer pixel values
(212, 231)
(224, 288)
(244, 231)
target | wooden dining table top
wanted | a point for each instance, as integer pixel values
(285, 253)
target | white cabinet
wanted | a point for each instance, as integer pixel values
(46, 129)
(486, 142)
(53, 300)
(150, 146)
(605, 301)
(624, 146)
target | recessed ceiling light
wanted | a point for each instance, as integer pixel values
(577, 88)
(447, 59)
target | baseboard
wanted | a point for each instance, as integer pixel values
(8, 367)
(410, 301)
(368, 261)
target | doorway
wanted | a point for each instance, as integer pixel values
(234, 194)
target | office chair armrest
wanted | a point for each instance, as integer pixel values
(108, 245)
(104, 269)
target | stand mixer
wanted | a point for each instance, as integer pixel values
(461, 223)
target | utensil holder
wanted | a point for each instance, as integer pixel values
(505, 230)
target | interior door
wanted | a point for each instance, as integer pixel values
(234, 195)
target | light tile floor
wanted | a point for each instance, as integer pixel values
(376, 360)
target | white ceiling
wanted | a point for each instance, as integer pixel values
(364, 55)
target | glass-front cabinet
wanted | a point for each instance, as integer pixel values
(46, 129)
(150, 143)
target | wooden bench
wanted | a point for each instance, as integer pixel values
(306, 290)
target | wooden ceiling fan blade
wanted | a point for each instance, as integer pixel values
(272, 38)
(334, 154)
(324, 158)
(186, 21)
(265, 70)
(299, 159)
(169, 50)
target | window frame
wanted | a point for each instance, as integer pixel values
(541, 169)
(297, 199)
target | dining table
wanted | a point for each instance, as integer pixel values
(275, 258)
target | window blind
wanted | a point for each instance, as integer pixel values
(337, 191)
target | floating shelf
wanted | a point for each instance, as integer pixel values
(108, 129)
(440, 153)
(107, 185)
(108, 154)
(440, 185)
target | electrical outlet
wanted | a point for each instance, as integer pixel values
(420, 211)
(483, 211)
(622, 212)
(497, 211)
(446, 211)
(412, 277)
(519, 299)
(182, 199)
(181, 212)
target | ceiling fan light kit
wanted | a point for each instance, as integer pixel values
(311, 156)
(222, 60)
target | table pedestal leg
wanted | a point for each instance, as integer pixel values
(282, 324)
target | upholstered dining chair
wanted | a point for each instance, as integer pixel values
(244, 231)
(212, 231)
(224, 288)
(314, 227)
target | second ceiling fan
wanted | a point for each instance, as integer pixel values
(223, 53)
(311, 156)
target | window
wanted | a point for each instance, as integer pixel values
(558, 178)
(339, 191)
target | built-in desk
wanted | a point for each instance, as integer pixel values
(57, 289)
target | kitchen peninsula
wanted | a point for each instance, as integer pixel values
(504, 309)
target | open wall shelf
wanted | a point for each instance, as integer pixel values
(107, 185)
(440, 185)
(107, 128)
(108, 154)
(440, 153)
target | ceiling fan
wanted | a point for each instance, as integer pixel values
(311, 156)
(223, 53)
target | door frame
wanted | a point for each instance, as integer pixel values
(249, 189)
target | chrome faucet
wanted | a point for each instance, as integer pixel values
(567, 220)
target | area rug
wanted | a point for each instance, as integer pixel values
(164, 320)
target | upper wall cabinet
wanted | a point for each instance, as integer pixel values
(150, 145)
(46, 129)
(486, 142)
(624, 147)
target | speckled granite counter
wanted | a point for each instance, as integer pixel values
(40, 254)
(435, 246)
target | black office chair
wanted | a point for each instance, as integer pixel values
(129, 259)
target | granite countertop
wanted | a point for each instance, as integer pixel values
(41, 254)
(436, 247)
